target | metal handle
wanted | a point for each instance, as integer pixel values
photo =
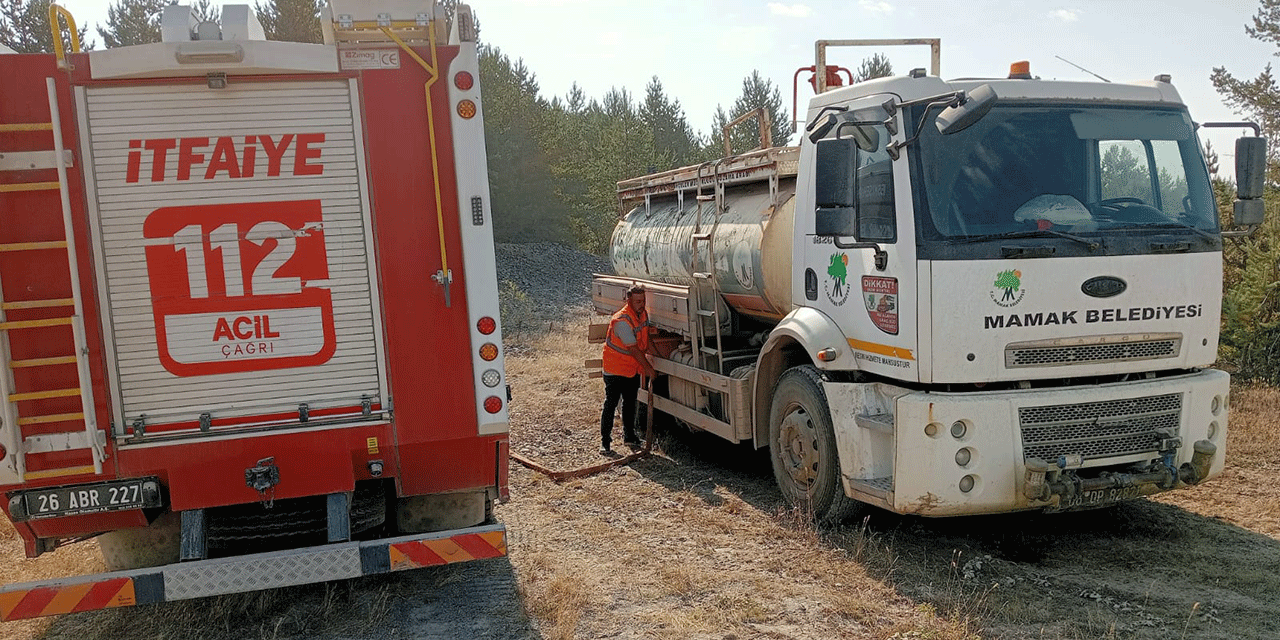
(58, 49)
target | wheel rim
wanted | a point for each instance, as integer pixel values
(798, 446)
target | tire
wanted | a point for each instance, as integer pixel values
(142, 547)
(802, 445)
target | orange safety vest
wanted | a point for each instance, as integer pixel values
(617, 360)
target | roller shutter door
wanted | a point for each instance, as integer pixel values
(233, 249)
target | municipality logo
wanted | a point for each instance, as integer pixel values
(1008, 289)
(837, 287)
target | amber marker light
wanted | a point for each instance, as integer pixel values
(467, 109)
(1020, 70)
(489, 351)
(463, 80)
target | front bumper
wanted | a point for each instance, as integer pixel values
(992, 428)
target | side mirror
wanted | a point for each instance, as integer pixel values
(823, 127)
(865, 136)
(1251, 168)
(835, 188)
(959, 117)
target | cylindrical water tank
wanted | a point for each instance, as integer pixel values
(750, 245)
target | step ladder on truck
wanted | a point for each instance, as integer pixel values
(217, 355)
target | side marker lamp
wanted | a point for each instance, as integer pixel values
(467, 109)
(489, 351)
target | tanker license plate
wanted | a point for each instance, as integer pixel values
(88, 498)
(1100, 497)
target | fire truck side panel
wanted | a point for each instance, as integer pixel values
(421, 329)
(428, 343)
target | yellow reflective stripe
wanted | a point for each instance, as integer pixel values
(881, 349)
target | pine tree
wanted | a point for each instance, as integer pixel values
(291, 20)
(1251, 274)
(24, 27)
(674, 141)
(132, 22)
(756, 92)
(876, 66)
(525, 207)
(1211, 158)
(1258, 99)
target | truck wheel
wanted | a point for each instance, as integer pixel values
(138, 548)
(802, 445)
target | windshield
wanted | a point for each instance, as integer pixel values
(1082, 170)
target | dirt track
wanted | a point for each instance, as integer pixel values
(696, 543)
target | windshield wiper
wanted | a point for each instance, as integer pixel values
(1030, 233)
(1173, 225)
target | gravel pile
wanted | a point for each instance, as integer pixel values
(555, 279)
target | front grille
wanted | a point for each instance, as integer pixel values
(1106, 429)
(1092, 353)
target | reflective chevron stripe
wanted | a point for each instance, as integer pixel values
(239, 574)
(459, 548)
(104, 591)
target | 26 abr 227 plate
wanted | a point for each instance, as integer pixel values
(119, 495)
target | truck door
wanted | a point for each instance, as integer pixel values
(861, 198)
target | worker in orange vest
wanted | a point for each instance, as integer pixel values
(624, 361)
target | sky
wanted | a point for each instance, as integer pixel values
(702, 49)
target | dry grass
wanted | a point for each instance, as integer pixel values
(695, 543)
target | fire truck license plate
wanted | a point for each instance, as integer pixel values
(92, 498)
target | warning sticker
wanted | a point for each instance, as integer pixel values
(881, 298)
(239, 287)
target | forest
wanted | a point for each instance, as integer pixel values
(554, 161)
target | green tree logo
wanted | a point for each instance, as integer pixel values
(839, 268)
(1010, 281)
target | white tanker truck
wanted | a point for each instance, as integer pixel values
(954, 297)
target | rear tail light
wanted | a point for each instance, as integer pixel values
(3, 452)
(493, 404)
(487, 325)
(489, 351)
(463, 80)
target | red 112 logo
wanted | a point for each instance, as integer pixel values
(240, 287)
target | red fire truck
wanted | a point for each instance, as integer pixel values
(249, 328)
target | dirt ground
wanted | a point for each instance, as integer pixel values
(695, 542)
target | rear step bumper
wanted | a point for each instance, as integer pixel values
(220, 576)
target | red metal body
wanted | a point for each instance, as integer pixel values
(431, 442)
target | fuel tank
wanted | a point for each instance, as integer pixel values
(750, 247)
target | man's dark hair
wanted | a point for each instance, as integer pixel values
(634, 290)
